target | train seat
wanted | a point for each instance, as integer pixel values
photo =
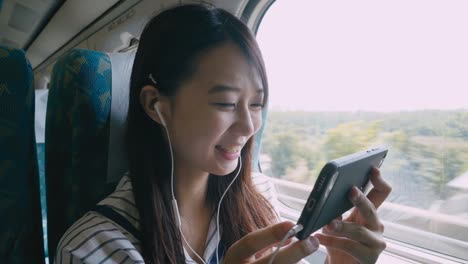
(20, 232)
(86, 110)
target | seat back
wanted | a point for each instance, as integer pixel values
(84, 122)
(21, 238)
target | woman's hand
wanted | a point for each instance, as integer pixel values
(359, 236)
(256, 247)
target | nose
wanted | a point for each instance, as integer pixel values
(246, 122)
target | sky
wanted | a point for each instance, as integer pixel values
(341, 55)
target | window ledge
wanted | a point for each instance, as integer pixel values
(396, 252)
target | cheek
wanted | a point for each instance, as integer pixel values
(257, 121)
(198, 132)
(191, 144)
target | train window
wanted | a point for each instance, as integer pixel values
(347, 75)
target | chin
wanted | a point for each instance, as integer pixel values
(225, 170)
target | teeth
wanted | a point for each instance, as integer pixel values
(231, 150)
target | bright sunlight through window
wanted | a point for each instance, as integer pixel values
(348, 75)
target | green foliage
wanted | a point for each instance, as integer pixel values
(428, 149)
(350, 137)
(284, 152)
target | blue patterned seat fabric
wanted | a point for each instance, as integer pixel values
(20, 228)
(78, 135)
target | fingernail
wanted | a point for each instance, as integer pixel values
(353, 194)
(336, 225)
(313, 242)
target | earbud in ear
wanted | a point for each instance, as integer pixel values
(159, 114)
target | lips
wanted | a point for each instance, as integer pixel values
(229, 152)
(233, 149)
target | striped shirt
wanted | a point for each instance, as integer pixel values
(109, 234)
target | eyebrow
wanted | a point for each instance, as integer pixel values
(220, 88)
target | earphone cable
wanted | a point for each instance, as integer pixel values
(219, 206)
(292, 232)
(174, 201)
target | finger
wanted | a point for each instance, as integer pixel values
(353, 248)
(366, 208)
(257, 240)
(381, 189)
(355, 232)
(325, 229)
(294, 252)
(271, 249)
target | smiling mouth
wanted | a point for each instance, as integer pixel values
(229, 153)
(230, 150)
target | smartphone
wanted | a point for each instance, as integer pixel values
(329, 197)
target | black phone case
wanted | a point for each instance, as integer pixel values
(329, 197)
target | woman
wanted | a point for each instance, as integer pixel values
(197, 91)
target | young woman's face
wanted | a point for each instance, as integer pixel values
(216, 111)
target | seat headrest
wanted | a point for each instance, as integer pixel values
(16, 81)
(91, 88)
(121, 64)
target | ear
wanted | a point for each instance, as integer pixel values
(149, 95)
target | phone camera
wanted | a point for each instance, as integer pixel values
(311, 204)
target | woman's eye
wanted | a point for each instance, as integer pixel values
(233, 105)
(225, 105)
(257, 105)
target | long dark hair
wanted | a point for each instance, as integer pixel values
(169, 48)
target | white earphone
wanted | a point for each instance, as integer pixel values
(175, 207)
(159, 114)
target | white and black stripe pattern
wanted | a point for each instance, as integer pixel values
(265, 186)
(123, 202)
(95, 238)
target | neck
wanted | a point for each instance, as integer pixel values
(190, 191)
